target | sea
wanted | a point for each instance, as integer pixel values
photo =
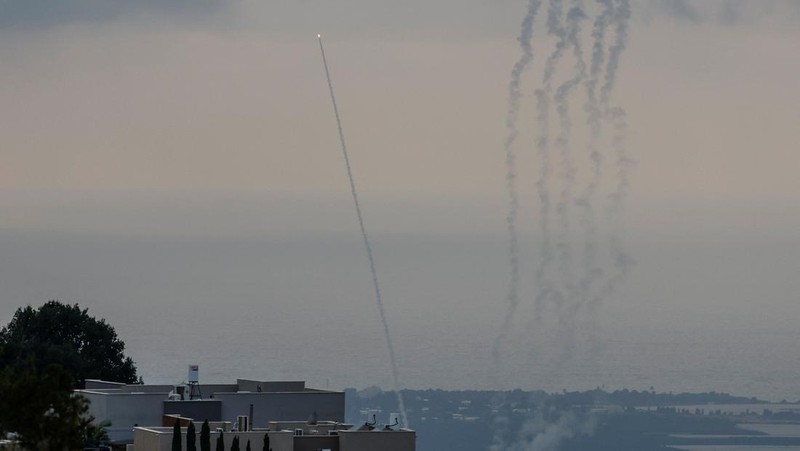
(301, 307)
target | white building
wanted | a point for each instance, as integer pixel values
(127, 406)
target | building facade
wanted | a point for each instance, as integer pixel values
(286, 436)
(128, 406)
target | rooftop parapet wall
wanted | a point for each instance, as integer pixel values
(270, 386)
(141, 388)
(90, 384)
(321, 428)
(328, 406)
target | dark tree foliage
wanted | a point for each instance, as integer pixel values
(220, 443)
(205, 437)
(191, 441)
(247, 448)
(266, 443)
(97, 434)
(65, 335)
(42, 409)
(176, 436)
(235, 444)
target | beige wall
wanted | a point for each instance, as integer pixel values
(403, 440)
(160, 439)
(316, 442)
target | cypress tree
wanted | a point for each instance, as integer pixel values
(176, 436)
(205, 437)
(235, 444)
(220, 443)
(247, 448)
(266, 443)
(191, 443)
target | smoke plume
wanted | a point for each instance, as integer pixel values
(512, 115)
(577, 267)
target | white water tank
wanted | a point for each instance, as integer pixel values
(194, 374)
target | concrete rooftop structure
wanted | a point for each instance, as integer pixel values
(130, 405)
(287, 436)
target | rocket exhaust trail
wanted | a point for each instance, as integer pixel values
(512, 114)
(367, 245)
(592, 272)
(616, 115)
(545, 291)
(574, 291)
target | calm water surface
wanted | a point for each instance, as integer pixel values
(302, 308)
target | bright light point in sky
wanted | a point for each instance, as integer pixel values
(319, 35)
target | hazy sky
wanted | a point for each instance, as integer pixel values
(178, 117)
(104, 98)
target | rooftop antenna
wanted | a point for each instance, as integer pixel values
(367, 245)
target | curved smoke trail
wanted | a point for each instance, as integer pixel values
(593, 111)
(545, 291)
(367, 245)
(591, 272)
(512, 114)
(621, 17)
(622, 262)
(567, 311)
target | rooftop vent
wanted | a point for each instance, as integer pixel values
(242, 423)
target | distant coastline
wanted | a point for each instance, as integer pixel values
(592, 420)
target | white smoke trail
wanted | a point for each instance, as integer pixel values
(622, 262)
(367, 245)
(572, 293)
(621, 17)
(587, 219)
(512, 115)
(546, 292)
(571, 35)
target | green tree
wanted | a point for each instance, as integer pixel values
(266, 443)
(220, 443)
(176, 435)
(63, 334)
(235, 444)
(191, 441)
(97, 434)
(205, 437)
(41, 408)
(247, 448)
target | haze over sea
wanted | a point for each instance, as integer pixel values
(296, 304)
